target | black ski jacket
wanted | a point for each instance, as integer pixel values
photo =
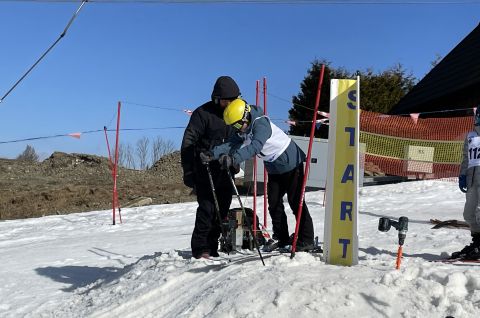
(205, 130)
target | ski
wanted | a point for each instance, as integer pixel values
(288, 249)
(457, 261)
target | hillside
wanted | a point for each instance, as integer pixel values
(66, 183)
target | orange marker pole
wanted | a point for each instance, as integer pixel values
(399, 256)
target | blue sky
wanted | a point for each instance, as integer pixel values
(169, 55)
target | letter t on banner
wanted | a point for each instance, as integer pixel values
(341, 211)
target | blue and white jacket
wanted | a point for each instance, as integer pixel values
(264, 140)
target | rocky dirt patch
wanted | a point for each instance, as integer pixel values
(66, 183)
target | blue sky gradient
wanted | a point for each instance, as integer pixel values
(169, 55)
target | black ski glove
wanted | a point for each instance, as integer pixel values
(226, 161)
(235, 168)
(462, 183)
(206, 157)
(189, 179)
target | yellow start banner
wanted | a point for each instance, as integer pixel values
(341, 211)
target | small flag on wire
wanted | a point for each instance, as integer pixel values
(324, 114)
(75, 135)
(291, 122)
(415, 117)
(320, 122)
(188, 112)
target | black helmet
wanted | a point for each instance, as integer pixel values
(225, 88)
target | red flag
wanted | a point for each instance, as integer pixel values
(75, 135)
(415, 117)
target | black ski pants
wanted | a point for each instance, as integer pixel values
(289, 183)
(207, 226)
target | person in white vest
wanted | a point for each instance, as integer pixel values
(469, 183)
(283, 159)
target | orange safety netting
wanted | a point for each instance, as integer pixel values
(413, 147)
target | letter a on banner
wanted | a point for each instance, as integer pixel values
(341, 211)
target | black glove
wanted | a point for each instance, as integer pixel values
(206, 157)
(235, 168)
(189, 179)
(462, 183)
(225, 161)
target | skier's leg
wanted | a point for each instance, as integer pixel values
(204, 218)
(471, 205)
(224, 197)
(277, 210)
(469, 214)
(305, 230)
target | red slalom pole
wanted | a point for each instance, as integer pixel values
(108, 147)
(111, 165)
(115, 166)
(307, 165)
(254, 226)
(265, 175)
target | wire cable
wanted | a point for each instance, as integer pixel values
(46, 52)
(327, 2)
(88, 132)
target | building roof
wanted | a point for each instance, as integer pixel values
(454, 83)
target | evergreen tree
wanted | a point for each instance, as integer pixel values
(304, 102)
(378, 93)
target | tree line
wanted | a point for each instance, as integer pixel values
(143, 154)
(379, 92)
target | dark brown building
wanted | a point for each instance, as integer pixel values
(453, 84)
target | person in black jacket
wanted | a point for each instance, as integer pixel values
(205, 130)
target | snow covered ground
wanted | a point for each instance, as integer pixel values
(80, 265)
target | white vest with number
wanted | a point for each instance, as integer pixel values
(274, 146)
(473, 149)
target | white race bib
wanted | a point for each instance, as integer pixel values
(473, 150)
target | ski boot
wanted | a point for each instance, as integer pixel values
(270, 245)
(274, 244)
(471, 251)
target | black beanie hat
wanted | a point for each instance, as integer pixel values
(225, 88)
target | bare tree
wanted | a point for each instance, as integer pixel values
(142, 152)
(122, 155)
(129, 157)
(28, 154)
(161, 148)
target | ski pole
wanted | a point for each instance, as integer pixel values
(232, 180)
(217, 206)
